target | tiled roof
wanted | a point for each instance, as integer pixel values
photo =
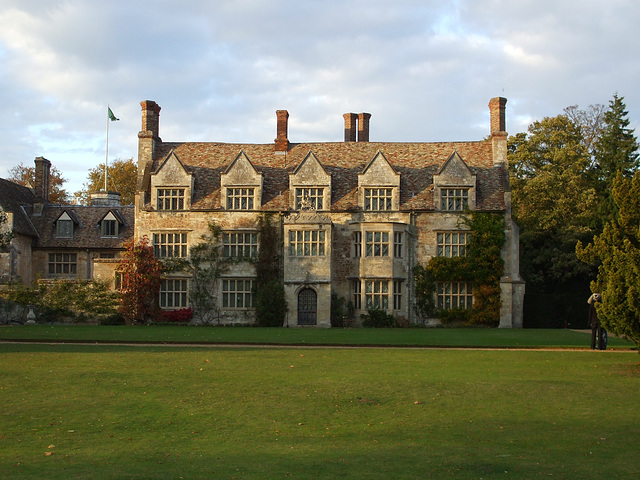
(87, 232)
(416, 163)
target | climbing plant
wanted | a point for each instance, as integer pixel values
(271, 306)
(205, 265)
(482, 268)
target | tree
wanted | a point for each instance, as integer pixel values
(555, 205)
(26, 176)
(617, 251)
(140, 284)
(6, 233)
(271, 306)
(121, 177)
(616, 151)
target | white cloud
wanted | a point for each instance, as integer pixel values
(424, 69)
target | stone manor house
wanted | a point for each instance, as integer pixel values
(355, 217)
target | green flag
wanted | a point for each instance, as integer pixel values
(112, 117)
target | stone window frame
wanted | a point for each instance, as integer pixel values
(307, 242)
(452, 295)
(376, 293)
(238, 290)
(170, 244)
(398, 243)
(376, 243)
(174, 293)
(378, 199)
(356, 293)
(240, 244)
(170, 198)
(455, 199)
(397, 294)
(309, 198)
(61, 264)
(449, 243)
(357, 244)
(240, 198)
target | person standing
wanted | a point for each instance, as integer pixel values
(594, 321)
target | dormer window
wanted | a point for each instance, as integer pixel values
(378, 199)
(109, 226)
(170, 198)
(309, 198)
(454, 199)
(240, 198)
(64, 226)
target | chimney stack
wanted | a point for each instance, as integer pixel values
(350, 127)
(363, 127)
(150, 119)
(356, 124)
(43, 170)
(497, 107)
(282, 140)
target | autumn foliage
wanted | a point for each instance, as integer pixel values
(140, 284)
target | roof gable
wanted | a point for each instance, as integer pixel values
(455, 171)
(171, 172)
(241, 172)
(379, 172)
(310, 172)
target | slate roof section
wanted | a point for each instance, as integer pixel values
(16, 199)
(87, 233)
(416, 163)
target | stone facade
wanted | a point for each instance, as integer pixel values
(66, 242)
(354, 217)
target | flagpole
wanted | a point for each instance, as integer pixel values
(106, 158)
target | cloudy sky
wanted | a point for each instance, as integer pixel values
(424, 69)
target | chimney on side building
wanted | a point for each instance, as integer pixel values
(350, 127)
(43, 171)
(497, 107)
(150, 119)
(363, 127)
(282, 140)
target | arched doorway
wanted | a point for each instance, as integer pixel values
(307, 307)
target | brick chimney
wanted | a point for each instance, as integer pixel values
(497, 108)
(41, 187)
(282, 140)
(350, 126)
(363, 127)
(150, 119)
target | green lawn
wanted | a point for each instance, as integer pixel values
(122, 412)
(454, 337)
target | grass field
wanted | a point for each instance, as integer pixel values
(452, 337)
(161, 412)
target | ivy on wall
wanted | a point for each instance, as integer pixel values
(482, 268)
(271, 306)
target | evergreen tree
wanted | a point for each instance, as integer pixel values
(616, 151)
(555, 204)
(617, 251)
